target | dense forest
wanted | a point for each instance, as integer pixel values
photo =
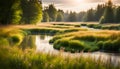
(103, 13)
(20, 11)
(31, 12)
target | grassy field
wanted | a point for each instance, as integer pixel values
(88, 41)
(14, 55)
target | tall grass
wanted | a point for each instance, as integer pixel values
(93, 41)
(14, 58)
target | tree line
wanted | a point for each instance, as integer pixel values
(20, 11)
(31, 12)
(104, 13)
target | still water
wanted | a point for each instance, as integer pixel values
(42, 45)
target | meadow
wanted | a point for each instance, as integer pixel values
(14, 54)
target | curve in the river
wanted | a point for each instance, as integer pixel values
(42, 43)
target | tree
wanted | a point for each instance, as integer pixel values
(45, 17)
(16, 12)
(117, 15)
(89, 15)
(99, 11)
(32, 11)
(52, 11)
(80, 16)
(59, 17)
(108, 16)
(72, 17)
(10, 11)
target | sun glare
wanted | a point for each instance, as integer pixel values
(76, 1)
(79, 1)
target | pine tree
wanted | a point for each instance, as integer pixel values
(80, 16)
(72, 17)
(99, 11)
(108, 16)
(117, 15)
(89, 16)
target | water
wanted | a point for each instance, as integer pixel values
(93, 29)
(42, 43)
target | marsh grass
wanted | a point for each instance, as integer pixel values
(13, 57)
(92, 41)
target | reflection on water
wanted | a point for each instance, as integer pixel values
(28, 42)
(93, 29)
(42, 43)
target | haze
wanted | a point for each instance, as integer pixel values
(76, 5)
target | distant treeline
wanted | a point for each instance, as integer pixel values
(104, 13)
(20, 11)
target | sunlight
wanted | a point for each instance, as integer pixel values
(79, 1)
(76, 1)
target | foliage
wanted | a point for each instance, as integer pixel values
(117, 15)
(72, 17)
(45, 17)
(108, 15)
(32, 11)
(52, 12)
(59, 17)
(20, 11)
(89, 16)
(94, 41)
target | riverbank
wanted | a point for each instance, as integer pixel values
(14, 57)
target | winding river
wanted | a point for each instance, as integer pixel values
(42, 43)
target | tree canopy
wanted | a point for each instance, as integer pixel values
(20, 11)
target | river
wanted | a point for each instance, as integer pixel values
(42, 43)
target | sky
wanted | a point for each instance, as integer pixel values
(76, 5)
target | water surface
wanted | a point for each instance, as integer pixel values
(42, 43)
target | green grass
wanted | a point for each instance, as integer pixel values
(102, 26)
(13, 57)
(88, 41)
(53, 31)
